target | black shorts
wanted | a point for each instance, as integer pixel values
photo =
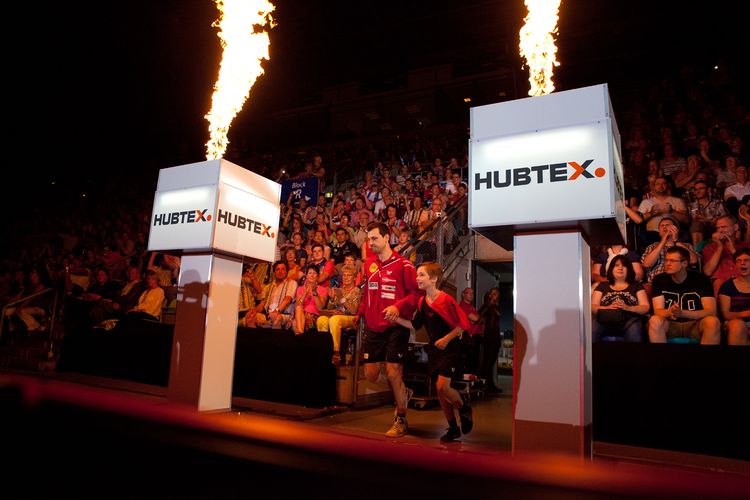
(447, 362)
(389, 345)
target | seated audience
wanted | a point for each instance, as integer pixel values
(125, 300)
(734, 300)
(250, 290)
(276, 310)
(619, 304)
(704, 212)
(151, 300)
(684, 303)
(602, 262)
(718, 260)
(343, 303)
(308, 300)
(655, 253)
(661, 204)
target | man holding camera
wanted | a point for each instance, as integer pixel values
(718, 260)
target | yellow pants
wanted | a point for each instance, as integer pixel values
(335, 324)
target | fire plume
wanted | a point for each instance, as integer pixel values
(244, 39)
(538, 45)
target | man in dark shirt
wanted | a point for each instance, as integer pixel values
(684, 303)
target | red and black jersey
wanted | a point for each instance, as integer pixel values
(392, 282)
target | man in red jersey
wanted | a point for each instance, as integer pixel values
(390, 291)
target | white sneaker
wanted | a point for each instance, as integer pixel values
(399, 427)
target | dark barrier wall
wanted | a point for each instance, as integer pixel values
(676, 397)
(272, 365)
(66, 440)
(679, 397)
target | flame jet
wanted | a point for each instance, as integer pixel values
(242, 30)
(538, 45)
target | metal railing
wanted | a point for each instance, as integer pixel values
(50, 311)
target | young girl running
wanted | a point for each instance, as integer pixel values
(444, 320)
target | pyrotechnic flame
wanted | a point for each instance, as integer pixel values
(245, 43)
(538, 45)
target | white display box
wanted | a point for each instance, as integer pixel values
(215, 206)
(546, 163)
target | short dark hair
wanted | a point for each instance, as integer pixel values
(277, 263)
(741, 251)
(684, 254)
(380, 226)
(630, 274)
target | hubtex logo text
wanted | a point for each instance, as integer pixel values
(241, 222)
(554, 172)
(188, 216)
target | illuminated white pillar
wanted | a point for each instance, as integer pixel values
(216, 212)
(205, 333)
(552, 342)
(546, 177)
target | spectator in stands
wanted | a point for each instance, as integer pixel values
(360, 208)
(250, 291)
(395, 225)
(404, 246)
(451, 186)
(704, 212)
(151, 300)
(737, 193)
(684, 303)
(655, 254)
(718, 260)
(291, 262)
(324, 266)
(319, 238)
(416, 218)
(670, 163)
(126, 298)
(473, 356)
(166, 267)
(343, 303)
(725, 172)
(342, 246)
(685, 177)
(661, 204)
(276, 310)
(601, 263)
(490, 314)
(309, 300)
(298, 242)
(34, 311)
(345, 223)
(360, 235)
(620, 304)
(734, 300)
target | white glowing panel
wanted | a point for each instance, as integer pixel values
(547, 162)
(183, 219)
(548, 175)
(246, 224)
(215, 205)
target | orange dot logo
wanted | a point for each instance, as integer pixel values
(208, 217)
(273, 235)
(599, 172)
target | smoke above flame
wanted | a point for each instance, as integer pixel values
(244, 39)
(538, 45)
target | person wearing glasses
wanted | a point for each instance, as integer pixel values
(683, 302)
(734, 300)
